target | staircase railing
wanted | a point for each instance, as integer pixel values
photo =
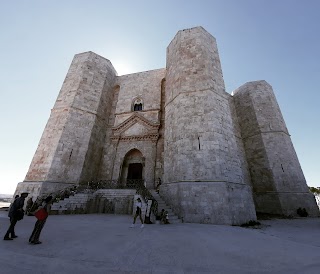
(146, 195)
(93, 186)
(56, 195)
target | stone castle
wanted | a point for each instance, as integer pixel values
(222, 158)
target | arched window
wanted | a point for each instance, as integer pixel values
(137, 104)
(137, 107)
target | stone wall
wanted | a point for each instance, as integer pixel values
(116, 201)
(201, 152)
(74, 130)
(210, 202)
(278, 182)
(133, 130)
(145, 85)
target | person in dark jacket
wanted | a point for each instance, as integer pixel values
(34, 238)
(15, 214)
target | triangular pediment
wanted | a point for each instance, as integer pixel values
(135, 129)
(136, 126)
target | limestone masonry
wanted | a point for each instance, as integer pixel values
(222, 158)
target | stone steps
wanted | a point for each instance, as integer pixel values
(90, 202)
(115, 193)
(173, 218)
(79, 202)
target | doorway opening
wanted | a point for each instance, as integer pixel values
(134, 171)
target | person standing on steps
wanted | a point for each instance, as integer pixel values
(138, 213)
(158, 186)
(16, 213)
(34, 238)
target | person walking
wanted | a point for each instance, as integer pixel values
(138, 213)
(15, 214)
(46, 205)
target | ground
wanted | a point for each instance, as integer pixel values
(101, 243)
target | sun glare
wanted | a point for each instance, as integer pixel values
(123, 68)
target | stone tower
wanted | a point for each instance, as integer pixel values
(278, 182)
(203, 176)
(70, 146)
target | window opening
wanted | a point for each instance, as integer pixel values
(137, 105)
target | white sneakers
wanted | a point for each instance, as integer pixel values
(142, 226)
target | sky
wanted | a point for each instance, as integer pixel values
(272, 40)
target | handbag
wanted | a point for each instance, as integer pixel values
(41, 214)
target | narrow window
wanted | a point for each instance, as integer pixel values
(70, 154)
(137, 105)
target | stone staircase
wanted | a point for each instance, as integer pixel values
(117, 201)
(173, 219)
(74, 204)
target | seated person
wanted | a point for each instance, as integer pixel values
(164, 217)
(166, 221)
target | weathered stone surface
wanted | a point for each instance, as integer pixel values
(70, 147)
(220, 157)
(278, 182)
(201, 153)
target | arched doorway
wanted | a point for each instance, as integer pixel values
(133, 167)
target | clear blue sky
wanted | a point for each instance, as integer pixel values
(277, 41)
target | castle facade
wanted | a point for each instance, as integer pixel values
(221, 158)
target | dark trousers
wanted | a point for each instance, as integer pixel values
(13, 222)
(36, 231)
